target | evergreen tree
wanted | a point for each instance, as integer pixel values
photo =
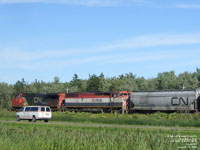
(93, 83)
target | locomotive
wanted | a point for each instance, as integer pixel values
(54, 100)
(121, 101)
(86, 101)
(97, 101)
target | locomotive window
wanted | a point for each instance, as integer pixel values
(72, 95)
(28, 109)
(105, 94)
(108, 94)
(34, 108)
(98, 93)
(121, 94)
(51, 96)
(42, 109)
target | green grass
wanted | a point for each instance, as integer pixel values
(30, 136)
(156, 119)
(7, 115)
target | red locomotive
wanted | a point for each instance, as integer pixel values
(87, 101)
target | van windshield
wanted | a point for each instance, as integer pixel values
(28, 109)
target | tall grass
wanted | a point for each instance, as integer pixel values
(156, 119)
(51, 137)
(7, 115)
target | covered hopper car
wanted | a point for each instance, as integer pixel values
(183, 101)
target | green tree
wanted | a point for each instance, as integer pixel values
(142, 84)
(94, 83)
(151, 84)
(20, 86)
(197, 75)
(56, 80)
(167, 81)
(6, 93)
(124, 82)
(187, 81)
(76, 85)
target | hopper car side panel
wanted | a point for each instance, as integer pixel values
(165, 101)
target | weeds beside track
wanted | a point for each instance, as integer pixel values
(31, 136)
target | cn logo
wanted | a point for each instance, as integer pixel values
(179, 100)
(37, 100)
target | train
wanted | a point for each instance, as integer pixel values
(120, 101)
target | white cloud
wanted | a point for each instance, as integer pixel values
(127, 52)
(188, 6)
(156, 40)
(145, 41)
(88, 3)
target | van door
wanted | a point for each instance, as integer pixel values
(22, 112)
(34, 111)
(27, 113)
(42, 112)
(48, 112)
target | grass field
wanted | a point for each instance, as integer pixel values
(156, 119)
(32, 136)
(46, 136)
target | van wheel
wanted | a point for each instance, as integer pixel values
(46, 120)
(33, 119)
(18, 119)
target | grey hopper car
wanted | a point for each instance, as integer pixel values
(183, 101)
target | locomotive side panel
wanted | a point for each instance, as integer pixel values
(33, 99)
(41, 99)
(87, 102)
(100, 100)
(164, 101)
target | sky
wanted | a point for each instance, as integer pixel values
(41, 39)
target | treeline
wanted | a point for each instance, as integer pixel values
(129, 81)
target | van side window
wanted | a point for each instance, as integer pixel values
(28, 109)
(47, 109)
(34, 108)
(42, 109)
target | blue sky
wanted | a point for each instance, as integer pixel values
(41, 39)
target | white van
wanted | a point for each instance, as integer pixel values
(33, 113)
